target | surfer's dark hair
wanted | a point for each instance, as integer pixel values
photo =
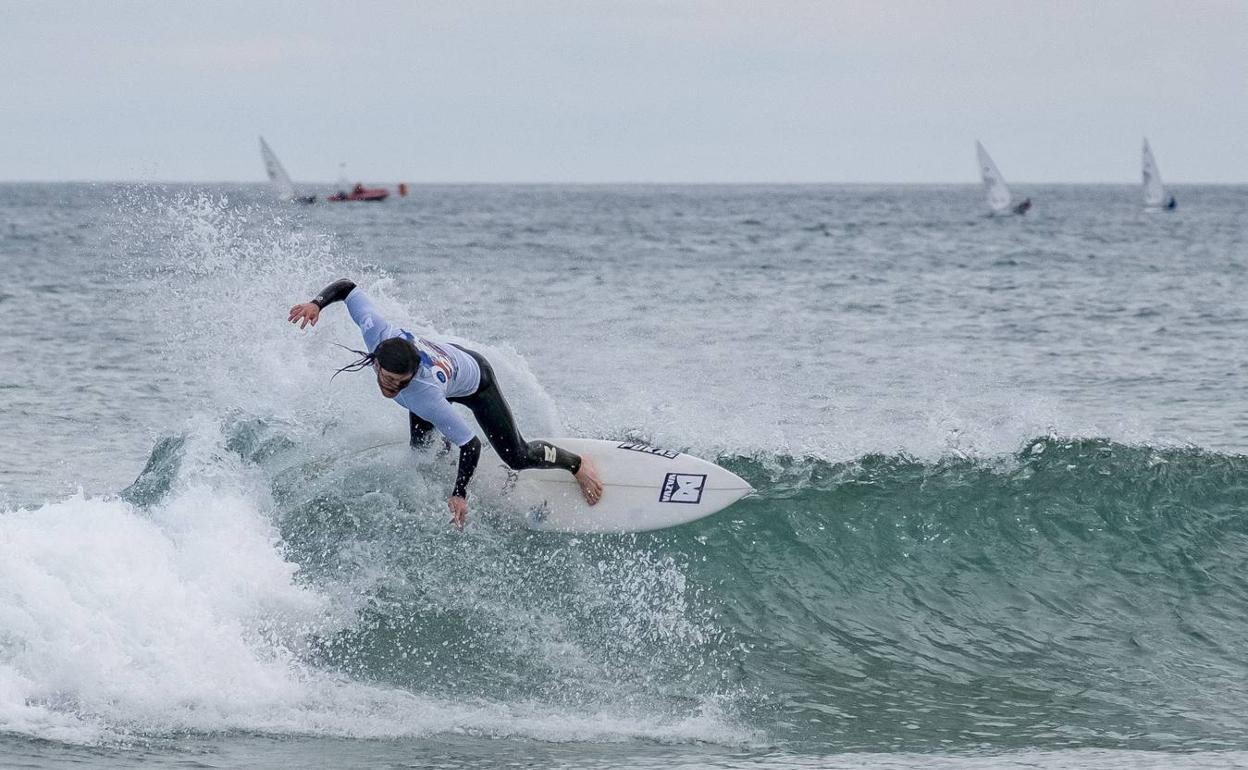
(395, 355)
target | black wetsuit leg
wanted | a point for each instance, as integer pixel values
(421, 430)
(495, 418)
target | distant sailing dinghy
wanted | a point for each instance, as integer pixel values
(1155, 195)
(280, 180)
(997, 193)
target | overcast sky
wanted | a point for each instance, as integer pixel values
(624, 90)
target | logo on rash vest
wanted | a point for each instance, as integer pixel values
(650, 450)
(549, 452)
(682, 488)
(437, 359)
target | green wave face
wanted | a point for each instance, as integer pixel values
(1080, 593)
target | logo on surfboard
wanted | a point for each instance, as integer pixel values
(682, 488)
(650, 450)
(539, 513)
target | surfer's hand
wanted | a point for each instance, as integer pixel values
(307, 312)
(459, 510)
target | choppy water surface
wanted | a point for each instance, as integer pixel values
(1003, 492)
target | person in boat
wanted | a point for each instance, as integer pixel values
(358, 189)
(426, 375)
(1023, 207)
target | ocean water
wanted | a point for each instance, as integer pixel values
(1002, 474)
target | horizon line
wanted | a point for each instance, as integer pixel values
(627, 183)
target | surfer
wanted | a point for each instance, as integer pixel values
(1024, 207)
(428, 374)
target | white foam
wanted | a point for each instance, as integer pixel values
(119, 621)
(176, 620)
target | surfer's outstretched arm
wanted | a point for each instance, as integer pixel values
(373, 325)
(309, 312)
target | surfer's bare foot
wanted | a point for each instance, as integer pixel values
(591, 485)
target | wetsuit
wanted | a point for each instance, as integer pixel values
(450, 374)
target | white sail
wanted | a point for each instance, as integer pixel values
(277, 175)
(1154, 191)
(995, 189)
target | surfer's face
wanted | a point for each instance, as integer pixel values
(391, 383)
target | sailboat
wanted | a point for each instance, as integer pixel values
(995, 190)
(282, 185)
(1155, 195)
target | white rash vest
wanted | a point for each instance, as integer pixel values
(445, 370)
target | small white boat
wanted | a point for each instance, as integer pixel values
(282, 186)
(996, 192)
(1155, 195)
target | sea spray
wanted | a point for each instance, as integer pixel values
(184, 611)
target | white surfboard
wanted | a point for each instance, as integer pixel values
(645, 488)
